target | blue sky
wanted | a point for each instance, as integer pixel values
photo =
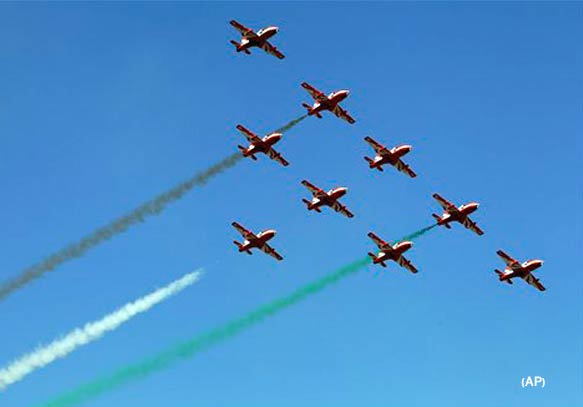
(105, 105)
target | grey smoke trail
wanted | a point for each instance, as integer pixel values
(90, 332)
(290, 124)
(120, 225)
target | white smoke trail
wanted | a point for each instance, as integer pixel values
(90, 332)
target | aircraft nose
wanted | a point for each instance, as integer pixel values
(274, 136)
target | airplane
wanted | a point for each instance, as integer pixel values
(386, 156)
(323, 198)
(258, 39)
(330, 102)
(455, 214)
(261, 145)
(258, 241)
(515, 269)
(391, 252)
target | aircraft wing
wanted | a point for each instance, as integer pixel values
(343, 114)
(274, 155)
(271, 50)
(315, 93)
(445, 204)
(247, 234)
(401, 166)
(378, 148)
(530, 279)
(507, 259)
(251, 137)
(381, 244)
(313, 189)
(403, 262)
(469, 224)
(247, 32)
(338, 207)
(271, 251)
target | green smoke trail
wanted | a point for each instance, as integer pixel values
(419, 233)
(206, 340)
(150, 208)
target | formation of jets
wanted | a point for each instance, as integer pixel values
(383, 156)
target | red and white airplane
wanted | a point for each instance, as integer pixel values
(515, 269)
(455, 214)
(261, 145)
(391, 252)
(258, 241)
(323, 198)
(386, 156)
(330, 102)
(258, 39)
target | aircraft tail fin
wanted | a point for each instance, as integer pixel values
(310, 206)
(374, 259)
(240, 246)
(239, 48)
(246, 153)
(438, 218)
(371, 164)
(311, 111)
(501, 276)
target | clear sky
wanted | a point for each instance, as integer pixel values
(103, 106)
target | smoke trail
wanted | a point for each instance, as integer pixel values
(199, 343)
(90, 332)
(290, 124)
(204, 341)
(419, 233)
(120, 225)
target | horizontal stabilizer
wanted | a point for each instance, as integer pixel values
(501, 275)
